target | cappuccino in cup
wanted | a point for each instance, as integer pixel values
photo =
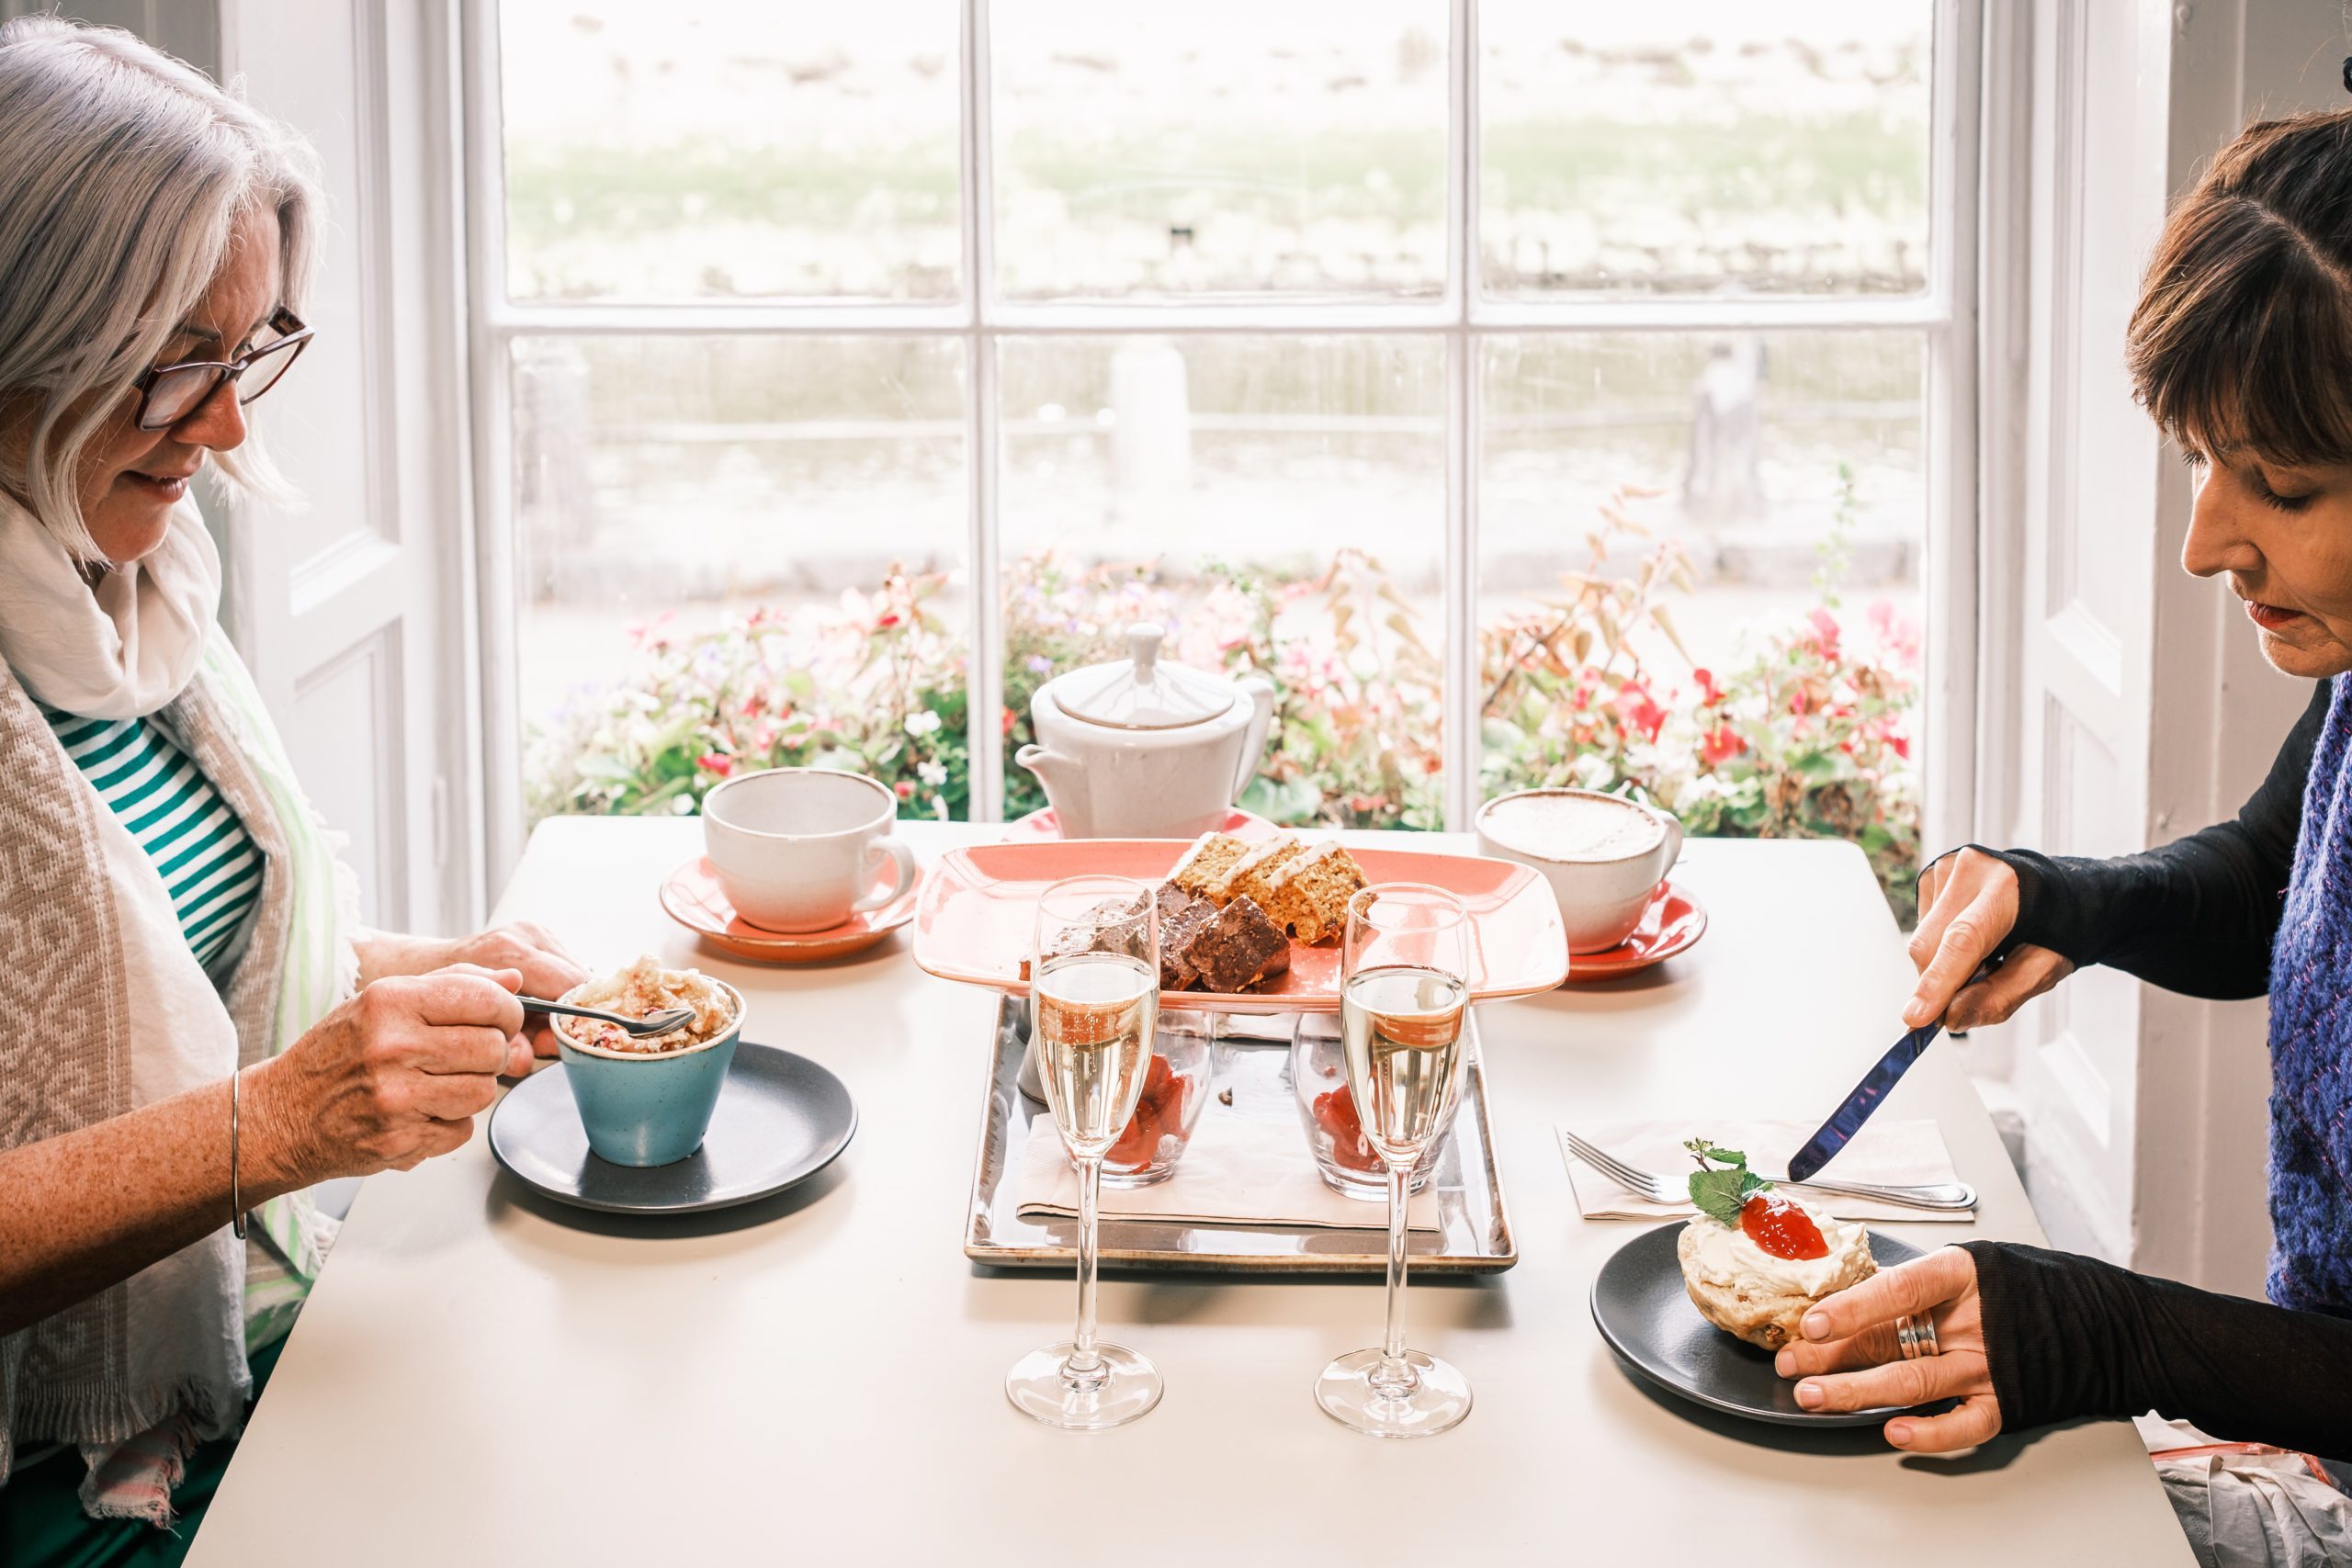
(1605, 857)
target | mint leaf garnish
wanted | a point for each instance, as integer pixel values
(1720, 1194)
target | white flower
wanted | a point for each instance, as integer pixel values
(923, 723)
(931, 773)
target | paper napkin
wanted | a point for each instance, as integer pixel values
(1889, 1153)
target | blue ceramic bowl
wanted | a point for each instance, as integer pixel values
(649, 1110)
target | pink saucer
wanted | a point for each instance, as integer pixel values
(692, 897)
(1042, 825)
(1671, 925)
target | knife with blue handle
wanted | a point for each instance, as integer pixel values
(1847, 1119)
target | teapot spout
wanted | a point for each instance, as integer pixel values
(1056, 772)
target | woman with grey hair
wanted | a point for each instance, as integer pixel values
(201, 1031)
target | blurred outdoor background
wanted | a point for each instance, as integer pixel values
(1698, 552)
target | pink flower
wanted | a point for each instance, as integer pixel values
(1894, 632)
(1709, 692)
(1720, 745)
(906, 789)
(716, 762)
(1824, 631)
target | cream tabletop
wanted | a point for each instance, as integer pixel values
(483, 1377)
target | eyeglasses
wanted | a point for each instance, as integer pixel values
(169, 393)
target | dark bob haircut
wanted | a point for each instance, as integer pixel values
(2242, 340)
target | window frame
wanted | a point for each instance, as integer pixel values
(1945, 314)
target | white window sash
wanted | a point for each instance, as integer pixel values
(1944, 314)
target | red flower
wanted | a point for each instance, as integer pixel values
(1720, 745)
(887, 622)
(1008, 721)
(906, 789)
(1797, 702)
(1709, 692)
(1899, 746)
(1635, 707)
(717, 762)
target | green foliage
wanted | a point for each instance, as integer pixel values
(1804, 735)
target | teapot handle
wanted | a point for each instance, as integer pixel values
(1253, 740)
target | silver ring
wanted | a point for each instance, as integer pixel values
(1917, 1335)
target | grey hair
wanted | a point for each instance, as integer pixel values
(123, 173)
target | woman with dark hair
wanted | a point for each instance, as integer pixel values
(2241, 348)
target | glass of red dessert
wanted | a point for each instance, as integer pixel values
(1346, 1161)
(1175, 1090)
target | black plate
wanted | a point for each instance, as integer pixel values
(781, 1119)
(1641, 1308)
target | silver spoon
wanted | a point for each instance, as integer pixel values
(660, 1024)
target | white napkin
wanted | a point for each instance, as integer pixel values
(1900, 1154)
(1239, 1170)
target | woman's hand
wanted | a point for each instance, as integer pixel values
(1969, 901)
(389, 1079)
(1850, 1359)
(548, 970)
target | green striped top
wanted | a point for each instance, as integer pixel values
(207, 861)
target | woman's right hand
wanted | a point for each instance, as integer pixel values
(1969, 905)
(390, 1079)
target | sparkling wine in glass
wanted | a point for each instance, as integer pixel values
(1403, 992)
(1093, 1001)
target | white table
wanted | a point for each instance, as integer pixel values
(483, 1378)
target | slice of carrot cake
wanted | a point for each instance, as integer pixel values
(1308, 892)
(1248, 877)
(1206, 863)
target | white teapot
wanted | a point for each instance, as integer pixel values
(1135, 749)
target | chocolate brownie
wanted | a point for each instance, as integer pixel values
(1239, 948)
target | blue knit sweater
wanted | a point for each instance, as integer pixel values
(2311, 1040)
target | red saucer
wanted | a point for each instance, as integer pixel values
(1044, 825)
(692, 897)
(1671, 925)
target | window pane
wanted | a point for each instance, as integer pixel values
(1706, 147)
(731, 149)
(1280, 503)
(1786, 520)
(740, 550)
(1220, 146)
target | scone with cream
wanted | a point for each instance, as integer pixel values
(1754, 1259)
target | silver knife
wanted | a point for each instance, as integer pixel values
(1857, 1107)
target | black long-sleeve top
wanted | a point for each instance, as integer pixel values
(2068, 1336)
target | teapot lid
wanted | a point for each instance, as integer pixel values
(1139, 692)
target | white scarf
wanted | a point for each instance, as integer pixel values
(123, 652)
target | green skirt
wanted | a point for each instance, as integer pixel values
(43, 1524)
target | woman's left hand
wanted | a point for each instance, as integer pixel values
(547, 969)
(1850, 1359)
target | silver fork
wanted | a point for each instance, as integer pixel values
(1657, 1189)
(637, 1028)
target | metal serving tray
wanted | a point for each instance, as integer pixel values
(1473, 1235)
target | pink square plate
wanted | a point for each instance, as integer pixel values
(975, 920)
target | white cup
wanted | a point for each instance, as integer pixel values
(794, 847)
(1603, 874)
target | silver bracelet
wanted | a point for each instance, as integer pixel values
(236, 1196)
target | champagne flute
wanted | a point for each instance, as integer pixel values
(1093, 1001)
(1403, 992)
